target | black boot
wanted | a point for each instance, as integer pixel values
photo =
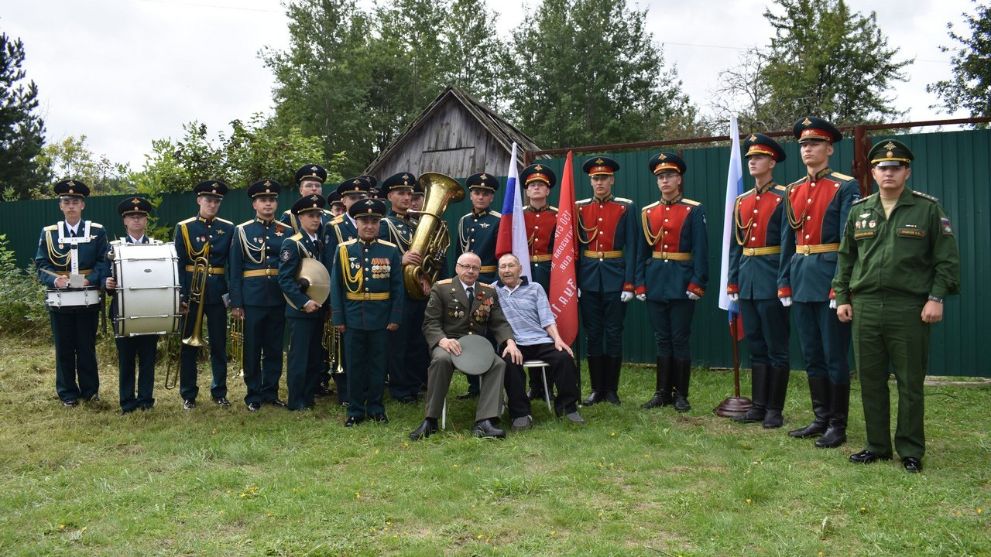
(661, 389)
(758, 393)
(595, 372)
(683, 376)
(819, 393)
(777, 389)
(611, 379)
(839, 403)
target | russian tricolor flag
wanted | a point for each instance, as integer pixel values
(734, 187)
(512, 226)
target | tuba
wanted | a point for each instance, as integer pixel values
(431, 238)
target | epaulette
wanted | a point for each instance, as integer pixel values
(585, 201)
(552, 208)
(746, 193)
(282, 224)
(387, 243)
(925, 196)
(337, 220)
(95, 225)
(187, 221)
(247, 222)
(225, 221)
(296, 237)
(51, 228)
(483, 286)
(495, 214)
(622, 200)
(691, 202)
(349, 242)
(443, 281)
(779, 187)
(862, 199)
(654, 204)
(841, 176)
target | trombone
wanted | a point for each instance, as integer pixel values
(197, 287)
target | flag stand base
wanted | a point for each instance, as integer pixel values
(733, 407)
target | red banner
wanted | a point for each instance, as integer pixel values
(564, 284)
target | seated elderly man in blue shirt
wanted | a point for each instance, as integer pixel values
(525, 306)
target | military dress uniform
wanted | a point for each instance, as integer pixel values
(889, 267)
(408, 354)
(608, 231)
(307, 172)
(540, 226)
(64, 251)
(815, 211)
(141, 348)
(367, 293)
(754, 262)
(305, 329)
(254, 287)
(674, 255)
(477, 233)
(197, 237)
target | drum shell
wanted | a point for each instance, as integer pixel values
(147, 297)
(72, 298)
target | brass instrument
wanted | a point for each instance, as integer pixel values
(197, 288)
(431, 238)
(334, 345)
(237, 343)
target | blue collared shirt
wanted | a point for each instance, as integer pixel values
(527, 311)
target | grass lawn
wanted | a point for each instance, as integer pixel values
(87, 481)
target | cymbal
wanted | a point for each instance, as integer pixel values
(476, 355)
(314, 280)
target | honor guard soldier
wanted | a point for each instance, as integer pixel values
(540, 219)
(897, 262)
(140, 348)
(754, 262)
(205, 239)
(71, 260)
(408, 355)
(310, 179)
(367, 293)
(339, 230)
(304, 315)
(256, 297)
(608, 231)
(477, 233)
(672, 276)
(815, 211)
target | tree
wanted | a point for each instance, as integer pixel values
(475, 58)
(745, 93)
(587, 72)
(970, 87)
(72, 158)
(828, 61)
(21, 129)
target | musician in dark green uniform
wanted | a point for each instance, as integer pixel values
(897, 261)
(367, 294)
(71, 260)
(205, 237)
(408, 354)
(477, 233)
(305, 316)
(310, 179)
(256, 297)
(134, 211)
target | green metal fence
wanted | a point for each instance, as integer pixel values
(953, 166)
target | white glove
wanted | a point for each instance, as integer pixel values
(642, 297)
(579, 292)
(832, 304)
(692, 296)
(626, 296)
(733, 297)
(786, 301)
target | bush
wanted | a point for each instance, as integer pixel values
(22, 297)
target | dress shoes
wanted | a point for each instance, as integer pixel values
(70, 403)
(380, 418)
(485, 430)
(323, 390)
(221, 401)
(188, 404)
(94, 398)
(426, 429)
(594, 398)
(522, 423)
(277, 402)
(353, 421)
(254, 406)
(612, 397)
(867, 456)
(575, 418)
(681, 404)
(912, 465)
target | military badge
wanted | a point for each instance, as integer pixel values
(944, 224)
(285, 255)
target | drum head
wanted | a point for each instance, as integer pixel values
(476, 355)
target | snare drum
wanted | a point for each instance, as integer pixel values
(80, 297)
(147, 293)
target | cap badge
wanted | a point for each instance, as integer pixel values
(753, 137)
(484, 177)
(538, 168)
(806, 122)
(662, 157)
(890, 146)
(599, 161)
(136, 201)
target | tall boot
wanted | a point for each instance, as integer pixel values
(683, 374)
(759, 393)
(595, 373)
(663, 380)
(819, 392)
(777, 389)
(611, 379)
(839, 403)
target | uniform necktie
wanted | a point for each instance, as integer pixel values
(471, 297)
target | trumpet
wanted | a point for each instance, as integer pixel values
(334, 344)
(237, 343)
(197, 288)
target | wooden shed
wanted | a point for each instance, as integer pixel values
(455, 135)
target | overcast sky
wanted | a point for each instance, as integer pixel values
(125, 72)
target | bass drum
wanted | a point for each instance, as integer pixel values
(147, 295)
